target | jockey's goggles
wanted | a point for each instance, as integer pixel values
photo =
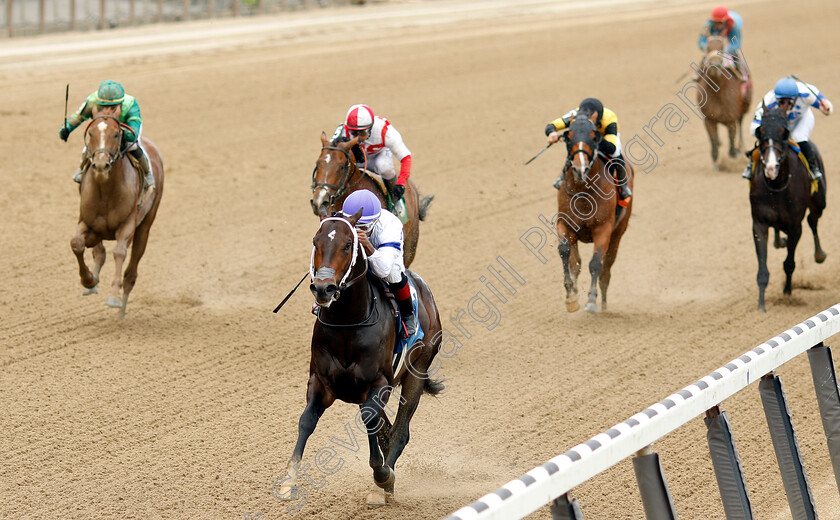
(366, 227)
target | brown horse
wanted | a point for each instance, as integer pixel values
(588, 211)
(337, 175)
(112, 206)
(780, 193)
(728, 104)
(352, 347)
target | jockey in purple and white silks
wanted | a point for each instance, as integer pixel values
(381, 236)
(380, 142)
(796, 99)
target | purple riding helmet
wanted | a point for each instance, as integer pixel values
(370, 205)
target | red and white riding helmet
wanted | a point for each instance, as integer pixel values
(359, 118)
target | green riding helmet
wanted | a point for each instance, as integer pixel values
(110, 93)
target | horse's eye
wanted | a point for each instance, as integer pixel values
(347, 247)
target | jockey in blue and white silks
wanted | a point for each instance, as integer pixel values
(796, 99)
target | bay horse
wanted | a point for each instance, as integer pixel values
(112, 206)
(728, 104)
(780, 193)
(352, 346)
(337, 175)
(587, 212)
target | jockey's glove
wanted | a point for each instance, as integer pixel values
(63, 133)
(399, 191)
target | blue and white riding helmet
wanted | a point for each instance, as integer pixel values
(786, 88)
(369, 204)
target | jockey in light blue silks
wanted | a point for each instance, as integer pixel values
(796, 99)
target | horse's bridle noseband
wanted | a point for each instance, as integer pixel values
(357, 248)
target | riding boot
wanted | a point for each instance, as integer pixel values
(402, 292)
(747, 173)
(77, 177)
(145, 167)
(811, 157)
(620, 169)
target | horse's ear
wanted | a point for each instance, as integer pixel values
(355, 216)
(759, 130)
(352, 142)
(324, 139)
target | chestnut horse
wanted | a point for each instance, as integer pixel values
(111, 206)
(587, 212)
(728, 104)
(337, 175)
(352, 348)
(780, 193)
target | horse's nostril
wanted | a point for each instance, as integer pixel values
(331, 289)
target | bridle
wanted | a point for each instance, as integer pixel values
(591, 155)
(113, 155)
(336, 191)
(324, 272)
(779, 147)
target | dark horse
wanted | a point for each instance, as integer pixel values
(352, 348)
(112, 205)
(780, 193)
(336, 175)
(587, 204)
(728, 104)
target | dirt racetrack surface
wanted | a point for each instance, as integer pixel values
(189, 407)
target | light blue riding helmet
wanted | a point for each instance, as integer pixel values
(369, 204)
(786, 88)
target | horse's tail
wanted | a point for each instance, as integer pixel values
(424, 206)
(433, 386)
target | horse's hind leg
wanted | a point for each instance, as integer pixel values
(606, 271)
(813, 219)
(778, 241)
(77, 244)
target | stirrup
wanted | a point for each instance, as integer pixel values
(77, 177)
(815, 174)
(558, 183)
(747, 173)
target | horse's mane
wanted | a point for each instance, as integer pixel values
(773, 117)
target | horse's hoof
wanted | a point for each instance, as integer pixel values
(820, 257)
(90, 290)
(376, 498)
(114, 302)
(591, 307)
(389, 482)
(572, 306)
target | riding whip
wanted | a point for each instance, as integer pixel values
(291, 293)
(808, 87)
(66, 98)
(538, 153)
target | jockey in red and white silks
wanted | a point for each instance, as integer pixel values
(380, 142)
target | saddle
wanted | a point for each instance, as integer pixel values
(397, 209)
(145, 194)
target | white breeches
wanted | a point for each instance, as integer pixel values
(383, 164)
(802, 128)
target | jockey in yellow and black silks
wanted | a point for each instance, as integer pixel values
(609, 146)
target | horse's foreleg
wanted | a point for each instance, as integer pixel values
(711, 129)
(813, 219)
(371, 412)
(733, 151)
(760, 240)
(123, 236)
(141, 236)
(316, 403)
(77, 244)
(609, 260)
(601, 241)
(790, 261)
(569, 281)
